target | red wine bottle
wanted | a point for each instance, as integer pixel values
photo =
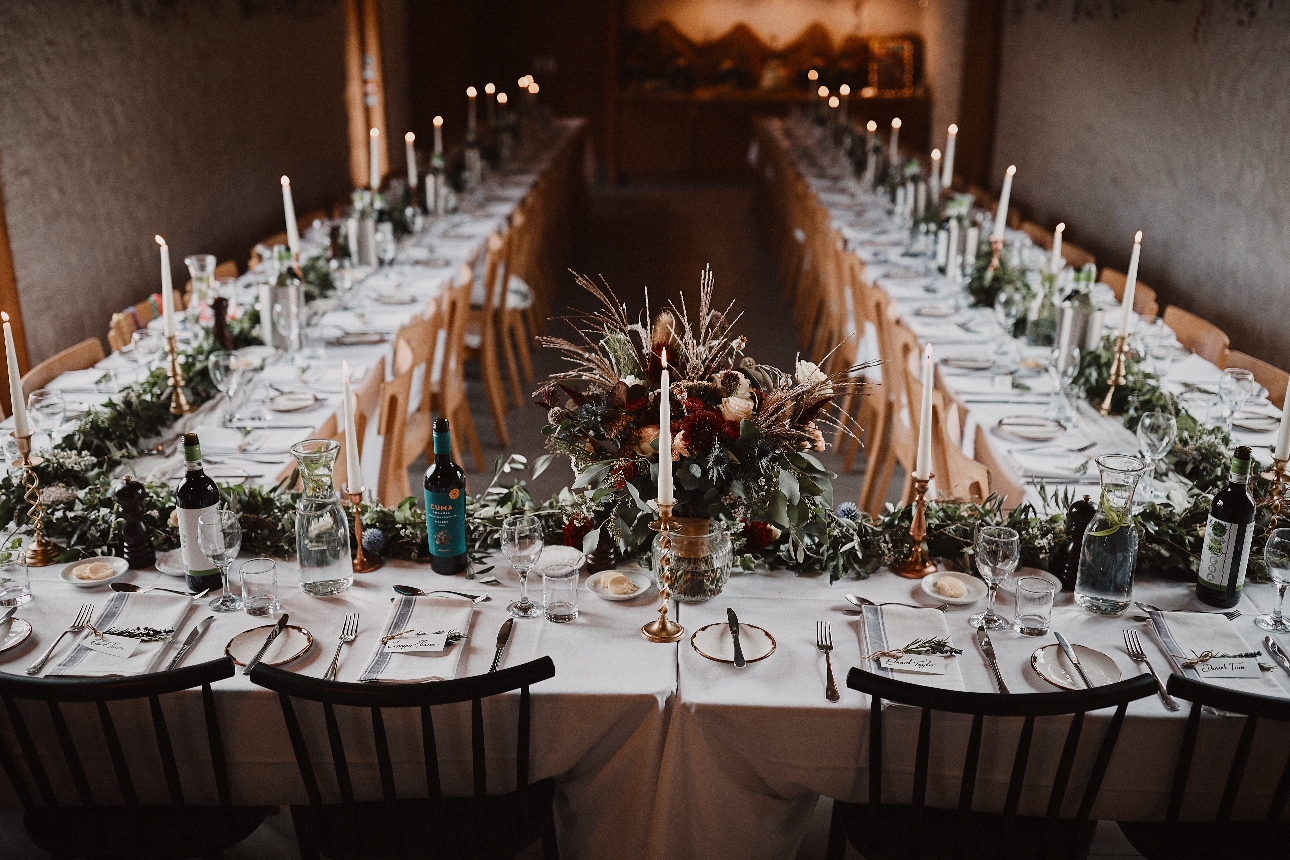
(445, 495)
(1226, 553)
(196, 495)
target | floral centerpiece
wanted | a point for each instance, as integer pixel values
(744, 433)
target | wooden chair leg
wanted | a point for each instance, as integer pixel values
(882, 480)
(464, 420)
(512, 367)
(907, 490)
(520, 332)
(550, 849)
(308, 851)
(836, 847)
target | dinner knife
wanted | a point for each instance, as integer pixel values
(987, 648)
(190, 641)
(1278, 653)
(4, 616)
(503, 636)
(1073, 657)
(734, 634)
(273, 634)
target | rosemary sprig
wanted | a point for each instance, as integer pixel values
(935, 647)
(143, 634)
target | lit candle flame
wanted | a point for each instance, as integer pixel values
(1061, 228)
(664, 356)
(376, 132)
(4, 317)
(845, 89)
(285, 181)
(162, 242)
(1012, 170)
(533, 88)
(834, 101)
(471, 92)
(895, 123)
(954, 129)
(438, 121)
(1137, 240)
(407, 138)
(812, 75)
(490, 89)
(871, 126)
(936, 155)
(822, 92)
(501, 98)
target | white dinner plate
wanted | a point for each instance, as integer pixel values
(713, 641)
(596, 584)
(15, 631)
(1051, 664)
(1256, 422)
(171, 563)
(230, 475)
(558, 555)
(290, 645)
(254, 357)
(967, 362)
(1009, 585)
(359, 338)
(395, 299)
(118, 565)
(935, 311)
(1031, 428)
(292, 401)
(976, 588)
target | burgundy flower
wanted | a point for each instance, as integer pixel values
(701, 429)
(576, 529)
(758, 535)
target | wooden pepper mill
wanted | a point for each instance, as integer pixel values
(138, 538)
(1065, 561)
(605, 556)
(219, 330)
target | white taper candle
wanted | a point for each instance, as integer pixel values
(289, 210)
(438, 135)
(1056, 263)
(408, 140)
(353, 473)
(1130, 286)
(894, 152)
(21, 427)
(923, 462)
(1281, 450)
(664, 436)
(947, 178)
(167, 289)
(1001, 213)
(374, 160)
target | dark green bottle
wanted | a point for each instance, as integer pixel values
(1228, 534)
(197, 495)
(445, 489)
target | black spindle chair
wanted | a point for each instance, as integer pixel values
(1219, 836)
(65, 786)
(883, 830)
(428, 825)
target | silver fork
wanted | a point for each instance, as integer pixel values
(824, 642)
(1230, 615)
(348, 633)
(1134, 646)
(82, 621)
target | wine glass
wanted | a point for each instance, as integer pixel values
(146, 347)
(1008, 308)
(1234, 389)
(226, 371)
(1062, 368)
(1277, 556)
(48, 411)
(998, 550)
(522, 539)
(219, 537)
(1156, 434)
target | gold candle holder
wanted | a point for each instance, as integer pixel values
(917, 565)
(664, 629)
(1116, 377)
(174, 373)
(1279, 475)
(42, 552)
(996, 248)
(363, 563)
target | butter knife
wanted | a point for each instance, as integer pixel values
(273, 634)
(190, 641)
(1073, 657)
(1278, 653)
(503, 636)
(987, 648)
(734, 634)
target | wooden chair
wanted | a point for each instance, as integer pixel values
(1219, 837)
(957, 476)
(901, 350)
(446, 377)
(1041, 237)
(82, 356)
(480, 337)
(1002, 483)
(408, 821)
(1199, 335)
(1144, 298)
(121, 329)
(405, 418)
(517, 323)
(882, 828)
(1075, 256)
(69, 787)
(392, 486)
(1272, 378)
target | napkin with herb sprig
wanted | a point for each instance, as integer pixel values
(151, 619)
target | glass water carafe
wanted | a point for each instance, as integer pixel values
(1104, 581)
(201, 271)
(322, 531)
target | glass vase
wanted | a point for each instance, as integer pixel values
(1104, 581)
(701, 558)
(322, 529)
(201, 270)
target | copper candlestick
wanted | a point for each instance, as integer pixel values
(1279, 475)
(664, 629)
(42, 552)
(917, 564)
(175, 375)
(363, 563)
(1116, 376)
(996, 248)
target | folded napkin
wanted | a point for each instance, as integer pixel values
(127, 612)
(423, 615)
(887, 628)
(1186, 634)
(1053, 463)
(228, 440)
(383, 321)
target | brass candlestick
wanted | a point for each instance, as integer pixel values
(363, 563)
(996, 248)
(174, 373)
(664, 629)
(42, 552)
(1116, 377)
(917, 564)
(1279, 475)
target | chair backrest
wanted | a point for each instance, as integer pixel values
(1041, 237)
(1271, 377)
(75, 757)
(1199, 335)
(121, 330)
(1254, 708)
(392, 485)
(1144, 298)
(82, 356)
(1075, 256)
(1002, 483)
(376, 698)
(981, 705)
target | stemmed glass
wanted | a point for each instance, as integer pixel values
(1277, 556)
(147, 346)
(1062, 368)
(1008, 308)
(1156, 434)
(522, 540)
(998, 550)
(219, 537)
(1234, 389)
(48, 411)
(226, 372)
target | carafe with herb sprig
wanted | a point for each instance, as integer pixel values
(1104, 582)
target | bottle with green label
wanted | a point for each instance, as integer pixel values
(196, 495)
(1226, 553)
(445, 488)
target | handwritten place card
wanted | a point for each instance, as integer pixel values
(1229, 667)
(422, 642)
(923, 664)
(113, 646)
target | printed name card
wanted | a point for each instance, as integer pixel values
(923, 664)
(1229, 667)
(421, 642)
(113, 646)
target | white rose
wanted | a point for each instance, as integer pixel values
(736, 408)
(630, 380)
(809, 373)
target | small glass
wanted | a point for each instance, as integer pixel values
(560, 592)
(1234, 389)
(259, 586)
(1034, 606)
(998, 550)
(48, 411)
(1277, 556)
(522, 540)
(219, 537)
(1156, 434)
(146, 347)
(15, 584)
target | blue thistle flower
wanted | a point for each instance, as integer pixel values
(849, 511)
(373, 541)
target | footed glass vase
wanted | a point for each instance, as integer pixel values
(1104, 581)
(322, 529)
(701, 558)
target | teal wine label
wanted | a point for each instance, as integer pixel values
(446, 522)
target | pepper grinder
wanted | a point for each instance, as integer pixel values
(219, 328)
(138, 538)
(605, 555)
(1065, 561)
